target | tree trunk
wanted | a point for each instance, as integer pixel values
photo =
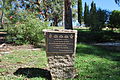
(45, 14)
(55, 23)
(1, 20)
(67, 14)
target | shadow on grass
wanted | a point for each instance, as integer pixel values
(99, 51)
(96, 63)
(87, 36)
(34, 72)
(41, 45)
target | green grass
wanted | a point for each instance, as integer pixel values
(91, 63)
(10, 63)
(2, 30)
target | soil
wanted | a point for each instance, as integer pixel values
(7, 48)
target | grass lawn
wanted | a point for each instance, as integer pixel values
(91, 63)
(10, 63)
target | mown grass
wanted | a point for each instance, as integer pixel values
(91, 63)
(12, 62)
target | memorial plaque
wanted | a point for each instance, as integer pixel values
(60, 42)
(60, 49)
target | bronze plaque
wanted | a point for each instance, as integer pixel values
(60, 42)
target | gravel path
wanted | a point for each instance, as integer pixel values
(109, 44)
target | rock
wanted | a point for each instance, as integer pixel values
(2, 45)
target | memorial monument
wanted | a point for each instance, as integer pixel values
(61, 47)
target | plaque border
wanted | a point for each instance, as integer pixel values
(60, 52)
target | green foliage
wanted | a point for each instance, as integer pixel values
(102, 17)
(117, 2)
(46, 10)
(86, 15)
(5, 7)
(95, 19)
(56, 11)
(28, 29)
(79, 11)
(115, 19)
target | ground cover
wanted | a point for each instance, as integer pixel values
(91, 63)
(28, 61)
(94, 63)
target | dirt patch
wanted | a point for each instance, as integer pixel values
(3, 32)
(7, 48)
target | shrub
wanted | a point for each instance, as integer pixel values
(29, 30)
(115, 19)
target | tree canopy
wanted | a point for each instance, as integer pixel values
(79, 11)
(117, 1)
(115, 19)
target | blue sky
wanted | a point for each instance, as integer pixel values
(103, 4)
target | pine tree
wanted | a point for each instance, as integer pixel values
(86, 14)
(93, 17)
(102, 16)
(79, 11)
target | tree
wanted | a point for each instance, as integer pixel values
(47, 10)
(93, 17)
(86, 15)
(56, 14)
(102, 16)
(67, 14)
(117, 1)
(79, 11)
(4, 8)
(2, 13)
(51, 10)
(115, 19)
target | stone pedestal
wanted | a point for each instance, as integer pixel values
(60, 49)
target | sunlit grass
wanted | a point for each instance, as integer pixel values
(21, 59)
(54, 27)
(91, 63)
(94, 63)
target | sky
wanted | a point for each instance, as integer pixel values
(103, 4)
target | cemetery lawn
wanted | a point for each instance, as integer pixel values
(91, 63)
